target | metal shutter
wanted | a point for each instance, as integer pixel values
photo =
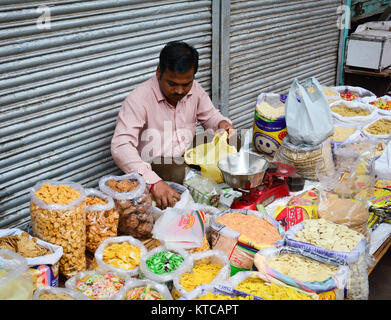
(61, 88)
(271, 43)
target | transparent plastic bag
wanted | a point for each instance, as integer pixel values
(83, 283)
(135, 216)
(202, 189)
(215, 257)
(180, 228)
(15, 279)
(53, 293)
(160, 288)
(101, 220)
(185, 200)
(63, 225)
(104, 266)
(337, 281)
(147, 273)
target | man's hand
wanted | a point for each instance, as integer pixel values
(164, 195)
(225, 125)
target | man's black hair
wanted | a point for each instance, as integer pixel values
(179, 57)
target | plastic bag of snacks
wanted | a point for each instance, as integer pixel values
(350, 93)
(241, 233)
(379, 129)
(52, 293)
(295, 268)
(356, 114)
(211, 272)
(183, 203)
(383, 104)
(261, 287)
(180, 228)
(15, 279)
(135, 289)
(121, 255)
(96, 284)
(57, 211)
(101, 218)
(208, 292)
(42, 257)
(335, 243)
(307, 159)
(162, 264)
(133, 203)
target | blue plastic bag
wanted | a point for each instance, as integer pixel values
(308, 116)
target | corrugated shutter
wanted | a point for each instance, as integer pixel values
(61, 88)
(272, 42)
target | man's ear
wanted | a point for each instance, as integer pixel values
(158, 72)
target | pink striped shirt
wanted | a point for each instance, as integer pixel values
(149, 127)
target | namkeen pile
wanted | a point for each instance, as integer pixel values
(269, 291)
(381, 126)
(201, 274)
(301, 268)
(341, 133)
(349, 112)
(142, 293)
(60, 194)
(125, 185)
(219, 296)
(99, 286)
(55, 296)
(271, 112)
(328, 235)
(122, 255)
(251, 226)
(23, 245)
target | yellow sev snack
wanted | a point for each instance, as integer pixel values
(122, 255)
(219, 296)
(201, 274)
(59, 194)
(270, 291)
(90, 201)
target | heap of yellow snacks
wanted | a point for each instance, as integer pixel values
(122, 255)
(201, 274)
(270, 291)
(60, 194)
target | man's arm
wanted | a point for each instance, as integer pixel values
(130, 121)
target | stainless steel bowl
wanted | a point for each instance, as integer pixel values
(243, 170)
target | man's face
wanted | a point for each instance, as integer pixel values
(175, 86)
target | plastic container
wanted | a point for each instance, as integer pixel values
(15, 279)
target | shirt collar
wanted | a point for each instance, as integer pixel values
(159, 95)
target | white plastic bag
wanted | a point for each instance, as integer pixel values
(216, 257)
(183, 203)
(15, 280)
(354, 121)
(146, 273)
(180, 228)
(380, 104)
(382, 166)
(303, 122)
(378, 137)
(135, 283)
(108, 267)
(53, 291)
(359, 92)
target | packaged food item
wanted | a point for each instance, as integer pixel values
(57, 210)
(379, 129)
(256, 285)
(241, 233)
(207, 292)
(383, 104)
(353, 93)
(335, 243)
(121, 255)
(291, 215)
(381, 194)
(52, 293)
(308, 160)
(101, 218)
(15, 279)
(294, 267)
(143, 290)
(180, 228)
(199, 273)
(202, 189)
(132, 201)
(269, 128)
(42, 257)
(162, 264)
(308, 198)
(96, 285)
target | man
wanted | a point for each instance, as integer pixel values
(159, 117)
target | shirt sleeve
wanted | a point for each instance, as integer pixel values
(207, 114)
(130, 121)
